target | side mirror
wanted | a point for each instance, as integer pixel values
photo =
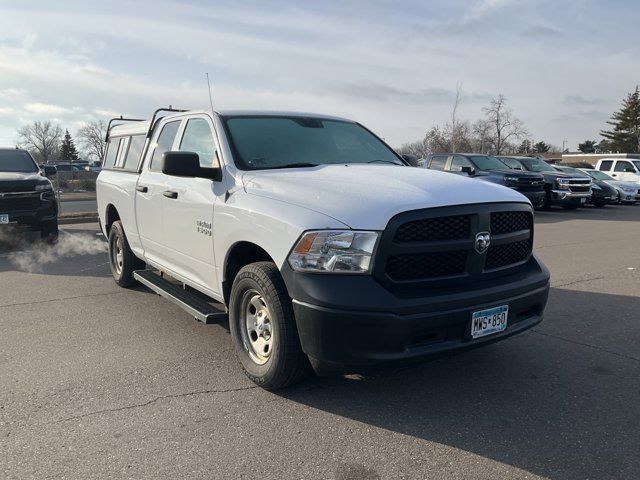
(49, 170)
(187, 164)
(468, 170)
(410, 159)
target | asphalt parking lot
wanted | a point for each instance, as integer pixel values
(101, 382)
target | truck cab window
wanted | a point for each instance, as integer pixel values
(605, 166)
(438, 162)
(624, 167)
(198, 138)
(164, 143)
(458, 162)
(133, 154)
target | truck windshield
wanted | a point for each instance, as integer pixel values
(263, 142)
(16, 161)
(537, 165)
(485, 162)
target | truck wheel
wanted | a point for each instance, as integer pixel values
(49, 231)
(570, 207)
(121, 259)
(263, 328)
(546, 203)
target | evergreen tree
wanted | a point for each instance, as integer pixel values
(525, 147)
(625, 135)
(588, 146)
(68, 152)
(540, 147)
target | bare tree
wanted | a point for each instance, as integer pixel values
(504, 125)
(91, 139)
(42, 139)
(419, 148)
(455, 125)
(482, 135)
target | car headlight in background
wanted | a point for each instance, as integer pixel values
(629, 189)
(44, 186)
(511, 179)
(595, 187)
(336, 251)
(563, 183)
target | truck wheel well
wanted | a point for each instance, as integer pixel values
(112, 216)
(242, 254)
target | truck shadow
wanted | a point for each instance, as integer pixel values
(616, 213)
(561, 401)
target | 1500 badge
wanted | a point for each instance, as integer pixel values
(203, 227)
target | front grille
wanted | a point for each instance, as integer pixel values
(426, 265)
(436, 248)
(530, 185)
(12, 204)
(431, 229)
(507, 222)
(580, 186)
(507, 254)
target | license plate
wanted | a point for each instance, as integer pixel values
(4, 218)
(583, 200)
(486, 322)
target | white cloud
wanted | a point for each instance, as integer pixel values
(46, 109)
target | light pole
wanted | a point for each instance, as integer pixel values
(563, 144)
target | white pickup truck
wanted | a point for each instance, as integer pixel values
(323, 247)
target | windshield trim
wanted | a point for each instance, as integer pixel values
(238, 162)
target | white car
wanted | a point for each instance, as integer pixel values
(629, 191)
(625, 169)
(323, 246)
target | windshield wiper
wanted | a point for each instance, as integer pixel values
(385, 161)
(295, 165)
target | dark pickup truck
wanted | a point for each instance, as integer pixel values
(561, 189)
(26, 195)
(490, 169)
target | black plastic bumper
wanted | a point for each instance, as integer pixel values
(348, 322)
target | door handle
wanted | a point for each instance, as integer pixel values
(170, 194)
(142, 189)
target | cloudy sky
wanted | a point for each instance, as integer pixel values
(564, 66)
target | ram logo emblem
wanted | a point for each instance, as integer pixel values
(483, 240)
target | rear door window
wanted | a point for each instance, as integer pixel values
(438, 162)
(112, 153)
(458, 162)
(605, 166)
(164, 143)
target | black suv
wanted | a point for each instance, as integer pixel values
(566, 191)
(490, 169)
(26, 195)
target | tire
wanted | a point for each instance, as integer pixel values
(263, 328)
(122, 261)
(49, 231)
(546, 203)
(599, 205)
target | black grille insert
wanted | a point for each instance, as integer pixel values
(426, 265)
(508, 222)
(11, 204)
(507, 254)
(432, 229)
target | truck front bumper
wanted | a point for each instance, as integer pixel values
(30, 209)
(347, 323)
(567, 197)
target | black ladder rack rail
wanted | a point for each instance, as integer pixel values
(119, 119)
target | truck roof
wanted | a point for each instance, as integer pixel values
(139, 128)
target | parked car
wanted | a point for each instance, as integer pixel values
(490, 169)
(69, 167)
(626, 169)
(26, 194)
(561, 189)
(629, 192)
(601, 193)
(325, 248)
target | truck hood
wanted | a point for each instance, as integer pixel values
(20, 182)
(367, 196)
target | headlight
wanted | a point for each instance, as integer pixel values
(511, 179)
(596, 187)
(338, 251)
(43, 186)
(563, 183)
(629, 189)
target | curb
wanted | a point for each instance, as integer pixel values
(84, 218)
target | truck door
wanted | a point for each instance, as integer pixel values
(188, 226)
(149, 194)
(625, 170)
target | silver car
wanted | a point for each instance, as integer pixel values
(629, 191)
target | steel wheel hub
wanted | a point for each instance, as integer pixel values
(258, 331)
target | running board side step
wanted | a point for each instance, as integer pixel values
(194, 305)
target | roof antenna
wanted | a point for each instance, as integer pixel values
(210, 98)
